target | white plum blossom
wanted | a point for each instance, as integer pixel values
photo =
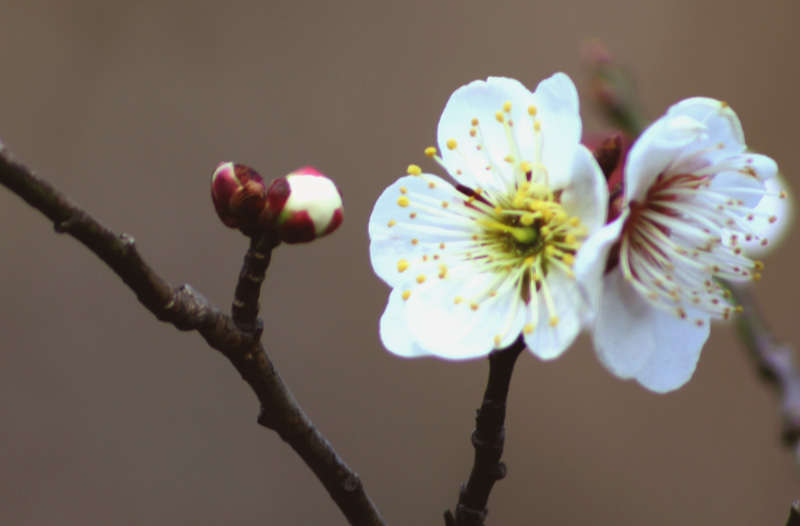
(690, 204)
(475, 264)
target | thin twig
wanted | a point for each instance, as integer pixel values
(187, 310)
(774, 360)
(488, 439)
(794, 514)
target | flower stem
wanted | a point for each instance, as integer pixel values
(487, 439)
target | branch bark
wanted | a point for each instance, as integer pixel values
(775, 362)
(488, 439)
(237, 336)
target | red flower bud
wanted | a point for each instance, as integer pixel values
(239, 196)
(303, 206)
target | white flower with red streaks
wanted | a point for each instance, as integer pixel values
(691, 201)
(477, 264)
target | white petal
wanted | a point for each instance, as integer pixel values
(592, 258)
(389, 244)
(556, 100)
(394, 328)
(722, 124)
(586, 195)
(676, 359)
(549, 342)
(771, 205)
(630, 334)
(482, 100)
(654, 151)
(453, 330)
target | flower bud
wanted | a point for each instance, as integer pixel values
(239, 196)
(303, 206)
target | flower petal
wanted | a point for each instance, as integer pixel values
(469, 328)
(482, 100)
(592, 258)
(556, 102)
(771, 206)
(654, 151)
(547, 341)
(633, 337)
(394, 328)
(586, 195)
(415, 227)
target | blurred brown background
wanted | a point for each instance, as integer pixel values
(109, 417)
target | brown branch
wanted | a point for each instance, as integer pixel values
(237, 337)
(775, 362)
(488, 439)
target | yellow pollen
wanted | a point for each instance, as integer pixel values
(537, 125)
(431, 185)
(403, 190)
(441, 246)
(527, 219)
(782, 194)
(739, 309)
(473, 306)
(421, 279)
(498, 210)
(406, 294)
(445, 204)
(772, 219)
(497, 340)
(442, 271)
(532, 111)
(391, 223)
(723, 104)
(509, 159)
(499, 116)
(569, 259)
(525, 166)
(413, 169)
(414, 241)
(403, 201)
(457, 300)
(528, 261)
(756, 276)
(574, 222)
(545, 231)
(430, 151)
(507, 106)
(452, 144)
(402, 265)
(553, 321)
(473, 132)
(528, 328)
(474, 121)
(759, 265)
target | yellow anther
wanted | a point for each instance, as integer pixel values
(499, 116)
(537, 125)
(772, 219)
(545, 231)
(403, 201)
(756, 276)
(457, 300)
(430, 151)
(528, 261)
(421, 279)
(445, 204)
(532, 111)
(452, 144)
(509, 159)
(474, 121)
(528, 328)
(782, 194)
(473, 306)
(507, 106)
(570, 239)
(431, 185)
(569, 259)
(391, 223)
(525, 166)
(739, 309)
(473, 132)
(527, 219)
(413, 169)
(406, 294)
(759, 265)
(403, 190)
(415, 241)
(553, 321)
(574, 221)
(497, 340)
(402, 265)
(442, 271)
